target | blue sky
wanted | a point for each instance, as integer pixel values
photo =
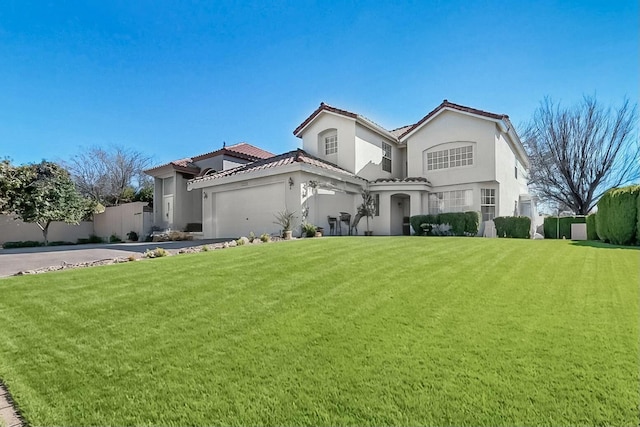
(175, 79)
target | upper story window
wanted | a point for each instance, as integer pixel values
(386, 157)
(450, 158)
(330, 144)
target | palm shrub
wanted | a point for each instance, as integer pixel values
(309, 229)
(285, 219)
(368, 206)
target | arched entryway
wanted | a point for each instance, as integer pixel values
(399, 215)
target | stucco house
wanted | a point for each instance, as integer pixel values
(454, 159)
(174, 207)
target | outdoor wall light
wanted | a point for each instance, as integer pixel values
(205, 195)
(290, 183)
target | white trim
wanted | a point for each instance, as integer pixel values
(301, 131)
(500, 122)
(295, 167)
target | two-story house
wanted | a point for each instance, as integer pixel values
(454, 159)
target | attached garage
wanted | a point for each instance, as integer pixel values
(238, 212)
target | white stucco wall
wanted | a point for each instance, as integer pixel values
(14, 230)
(122, 219)
(346, 129)
(368, 150)
(450, 130)
(235, 209)
(510, 187)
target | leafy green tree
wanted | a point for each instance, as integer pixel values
(41, 193)
(7, 183)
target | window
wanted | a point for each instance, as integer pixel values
(451, 158)
(516, 168)
(488, 203)
(386, 157)
(376, 202)
(450, 201)
(167, 186)
(331, 144)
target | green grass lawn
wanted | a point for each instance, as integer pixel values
(332, 331)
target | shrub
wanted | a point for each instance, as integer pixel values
(308, 229)
(241, 241)
(95, 239)
(114, 238)
(551, 226)
(60, 243)
(193, 227)
(591, 227)
(155, 253)
(252, 236)
(471, 223)
(416, 222)
(617, 218)
(638, 223)
(265, 237)
(205, 248)
(21, 244)
(517, 227)
(460, 224)
(179, 236)
(132, 235)
(456, 221)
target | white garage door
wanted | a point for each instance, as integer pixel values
(239, 212)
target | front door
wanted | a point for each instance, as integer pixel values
(167, 211)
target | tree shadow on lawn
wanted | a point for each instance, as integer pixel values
(603, 245)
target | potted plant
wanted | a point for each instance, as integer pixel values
(285, 220)
(308, 229)
(367, 209)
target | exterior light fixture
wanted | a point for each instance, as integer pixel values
(290, 183)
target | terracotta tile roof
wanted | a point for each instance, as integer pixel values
(291, 157)
(458, 107)
(326, 107)
(399, 131)
(242, 151)
(323, 107)
(248, 151)
(407, 179)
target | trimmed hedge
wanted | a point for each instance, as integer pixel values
(471, 222)
(517, 227)
(462, 223)
(617, 218)
(591, 227)
(22, 244)
(551, 226)
(638, 223)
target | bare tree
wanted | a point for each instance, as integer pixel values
(109, 175)
(579, 152)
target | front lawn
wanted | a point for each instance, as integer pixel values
(332, 331)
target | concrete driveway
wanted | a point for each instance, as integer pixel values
(13, 261)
